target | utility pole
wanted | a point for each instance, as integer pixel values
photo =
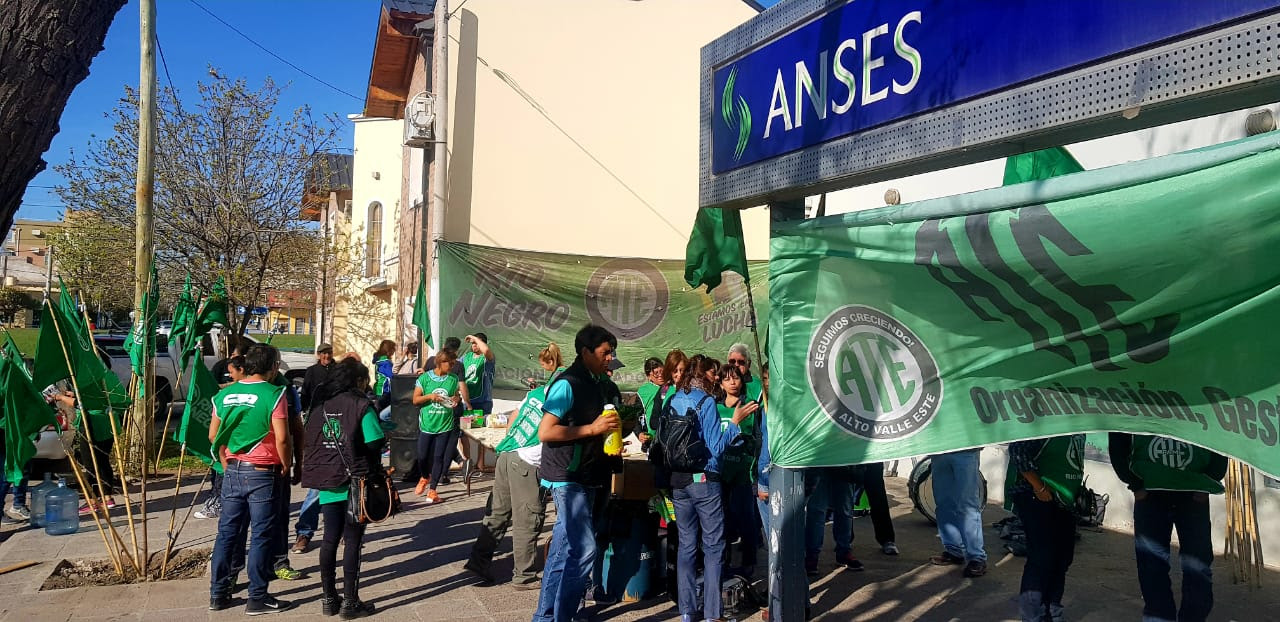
(48, 272)
(440, 50)
(144, 252)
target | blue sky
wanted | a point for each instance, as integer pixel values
(331, 39)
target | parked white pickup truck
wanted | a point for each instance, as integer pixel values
(171, 391)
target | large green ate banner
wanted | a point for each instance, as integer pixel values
(524, 300)
(1142, 298)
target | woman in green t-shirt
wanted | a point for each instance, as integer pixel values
(343, 436)
(436, 392)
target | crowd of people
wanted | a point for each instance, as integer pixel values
(704, 427)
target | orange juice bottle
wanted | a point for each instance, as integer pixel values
(612, 440)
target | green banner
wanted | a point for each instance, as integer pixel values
(523, 300)
(1137, 298)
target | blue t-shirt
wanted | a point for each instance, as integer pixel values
(559, 401)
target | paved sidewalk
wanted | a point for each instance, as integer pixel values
(412, 570)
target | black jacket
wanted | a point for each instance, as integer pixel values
(335, 448)
(582, 461)
(316, 375)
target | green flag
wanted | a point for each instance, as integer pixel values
(61, 327)
(24, 414)
(141, 344)
(183, 328)
(1037, 165)
(213, 311)
(716, 245)
(198, 413)
(421, 309)
(1138, 298)
(11, 352)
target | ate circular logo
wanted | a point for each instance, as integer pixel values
(627, 296)
(872, 375)
(1170, 452)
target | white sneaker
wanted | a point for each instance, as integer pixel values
(18, 512)
(203, 514)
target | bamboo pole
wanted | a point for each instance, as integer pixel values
(173, 514)
(168, 418)
(120, 464)
(88, 434)
(755, 335)
(114, 552)
(173, 535)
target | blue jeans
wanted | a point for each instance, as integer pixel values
(699, 509)
(1154, 518)
(832, 490)
(955, 490)
(573, 552)
(308, 515)
(763, 507)
(248, 496)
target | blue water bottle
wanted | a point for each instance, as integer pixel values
(61, 510)
(38, 496)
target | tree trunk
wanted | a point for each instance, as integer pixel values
(45, 50)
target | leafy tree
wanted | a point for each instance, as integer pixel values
(229, 175)
(12, 301)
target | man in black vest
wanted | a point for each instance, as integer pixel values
(574, 467)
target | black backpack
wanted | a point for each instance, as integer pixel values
(680, 437)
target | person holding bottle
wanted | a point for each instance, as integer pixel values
(436, 391)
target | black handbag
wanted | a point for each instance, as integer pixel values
(372, 499)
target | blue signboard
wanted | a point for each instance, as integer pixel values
(870, 62)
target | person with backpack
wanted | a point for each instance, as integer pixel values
(1171, 482)
(1044, 476)
(693, 441)
(738, 472)
(516, 500)
(344, 439)
(574, 468)
(383, 370)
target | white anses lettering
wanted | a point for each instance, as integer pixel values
(804, 84)
(845, 76)
(869, 64)
(907, 53)
(778, 106)
(791, 109)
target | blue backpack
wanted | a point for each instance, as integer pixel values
(680, 437)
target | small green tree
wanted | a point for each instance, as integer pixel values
(12, 301)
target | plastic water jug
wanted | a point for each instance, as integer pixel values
(61, 510)
(38, 495)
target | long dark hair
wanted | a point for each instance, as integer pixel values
(349, 375)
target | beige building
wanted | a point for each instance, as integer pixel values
(365, 241)
(573, 127)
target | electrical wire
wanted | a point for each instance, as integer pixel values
(273, 54)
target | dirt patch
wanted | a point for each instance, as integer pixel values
(185, 564)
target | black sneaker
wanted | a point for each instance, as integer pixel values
(811, 567)
(849, 561)
(483, 574)
(270, 604)
(218, 603)
(975, 569)
(331, 606)
(353, 609)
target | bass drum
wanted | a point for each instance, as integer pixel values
(920, 489)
